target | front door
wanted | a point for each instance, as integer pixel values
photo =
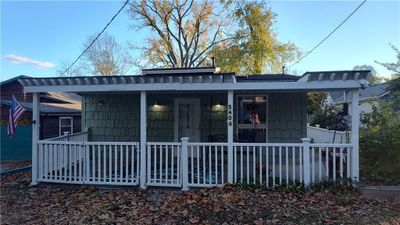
(187, 119)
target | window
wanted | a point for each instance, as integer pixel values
(252, 118)
(65, 125)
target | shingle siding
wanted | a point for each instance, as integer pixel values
(161, 118)
(287, 117)
(111, 117)
(118, 118)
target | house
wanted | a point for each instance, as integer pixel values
(60, 112)
(369, 96)
(194, 128)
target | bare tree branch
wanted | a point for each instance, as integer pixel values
(182, 28)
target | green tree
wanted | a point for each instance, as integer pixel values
(380, 145)
(395, 82)
(255, 48)
(315, 101)
(394, 67)
(380, 141)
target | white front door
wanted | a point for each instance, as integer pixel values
(187, 119)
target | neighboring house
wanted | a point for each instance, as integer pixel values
(369, 97)
(193, 128)
(60, 112)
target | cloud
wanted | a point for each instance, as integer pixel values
(22, 59)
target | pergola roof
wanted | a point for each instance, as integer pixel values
(336, 75)
(148, 79)
(328, 80)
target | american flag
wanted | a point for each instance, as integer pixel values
(15, 112)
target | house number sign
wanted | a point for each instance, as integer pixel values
(230, 115)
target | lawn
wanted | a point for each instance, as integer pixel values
(50, 204)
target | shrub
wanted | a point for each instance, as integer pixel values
(380, 145)
(330, 117)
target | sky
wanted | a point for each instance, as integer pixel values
(36, 36)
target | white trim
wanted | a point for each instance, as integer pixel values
(253, 126)
(143, 138)
(71, 124)
(319, 85)
(35, 136)
(184, 163)
(178, 101)
(229, 123)
(179, 71)
(355, 128)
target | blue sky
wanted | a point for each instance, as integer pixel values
(40, 34)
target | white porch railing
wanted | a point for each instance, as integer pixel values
(163, 164)
(267, 163)
(112, 163)
(207, 164)
(330, 161)
(185, 164)
(88, 162)
(80, 136)
(60, 161)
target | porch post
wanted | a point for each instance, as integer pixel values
(306, 162)
(185, 164)
(35, 136)
(355, 125)
(143, 130)
(230, 135)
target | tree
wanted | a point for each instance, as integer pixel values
(315, 101)
(105, 57)
(373, 79)
(394, 67)
(379, 143)
(185, 30)
(394, 88)
(330, 117)
(75, 70)
(188, 33)
(255, 47)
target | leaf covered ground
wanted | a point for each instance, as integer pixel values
(56, 204)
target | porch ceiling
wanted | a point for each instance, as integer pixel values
(328, 80)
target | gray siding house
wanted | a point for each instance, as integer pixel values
(117, 117)
(194, 128)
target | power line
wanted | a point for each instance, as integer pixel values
(348, 17)
(101, 32)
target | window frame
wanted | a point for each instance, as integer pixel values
(71, 119)
(252, 126)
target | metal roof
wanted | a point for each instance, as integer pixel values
(53, 108)
(373, 91)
